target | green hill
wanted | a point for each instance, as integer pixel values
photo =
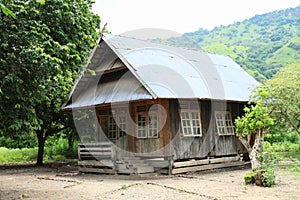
(261, 44)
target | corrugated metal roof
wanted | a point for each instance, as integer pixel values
(173, 72)
(161, 71)
(123, 88)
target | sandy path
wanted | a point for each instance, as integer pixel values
(46, 183)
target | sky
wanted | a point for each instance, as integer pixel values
(181, 16)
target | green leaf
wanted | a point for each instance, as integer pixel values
(92, 72)
(7, 11)
(42, 2)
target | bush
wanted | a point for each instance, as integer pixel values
(18, 141)
(268, 178)
(249, 178)
(58, 149)
(265, 176)
(55, 149)
(17, 155)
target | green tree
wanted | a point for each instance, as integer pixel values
(276, 102)
(254, 124)
(284, 90)
(41, 52)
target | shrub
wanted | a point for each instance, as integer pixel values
(268, 179)
(58, 148)
(249, 177)
(17, 155)
(265, 176)
(55, 149)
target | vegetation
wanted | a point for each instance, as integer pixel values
(43, 44)
(277, 100)
(55, 149)
(261, 45)
(41, 51)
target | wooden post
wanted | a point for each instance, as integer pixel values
(171, 162)
(78, 150)
(114, 156)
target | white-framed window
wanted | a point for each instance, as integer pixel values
(122, 125)
(142, 125)
(224, 123)
(153, 125)
(190, 119)
(112, 128)
(117, 124)
(147, 122)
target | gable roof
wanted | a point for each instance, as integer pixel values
(150, 71)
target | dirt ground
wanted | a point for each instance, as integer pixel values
(66, 183)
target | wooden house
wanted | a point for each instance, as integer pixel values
(159, 108)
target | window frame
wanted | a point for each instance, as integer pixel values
(226, 123)
(115, 115)
(155, 135)
(114, 124)
(190, 109)
(144, 128)
(148, 124)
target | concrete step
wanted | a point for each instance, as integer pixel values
(131, 158)
(133, 165)
(144, 169)
(136, 162)
(124, 169)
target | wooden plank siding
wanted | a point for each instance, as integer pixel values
(227, 144)
(130, 143)
(170, 141)
(185, 147)
(153, 146)
(210, 143)
(224, 144)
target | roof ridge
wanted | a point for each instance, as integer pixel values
(160, 44)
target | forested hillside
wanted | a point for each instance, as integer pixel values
(260, 45)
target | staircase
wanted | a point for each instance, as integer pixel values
(133, 165)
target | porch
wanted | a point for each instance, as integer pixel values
(107, 158)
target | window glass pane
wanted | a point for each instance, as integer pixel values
(112, 129)
(153, 125)
(141, 129)
(230, 130)
(195, 115)
(141, 108)
(122, 126)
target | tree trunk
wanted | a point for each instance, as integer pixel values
(41, 145)
(255, 149)
(71, 140)
(255, 163)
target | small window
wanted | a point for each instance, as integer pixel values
(224, 123)
(190, 119)
(141, 108)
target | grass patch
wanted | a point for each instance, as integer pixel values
(124, 187)
(292, 170)
(54, 151)
(17, 155)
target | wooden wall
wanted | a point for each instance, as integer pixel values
(189, 147)
(210, 143)
(143, 146)
(170, 140)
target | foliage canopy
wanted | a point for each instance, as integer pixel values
(41, 51)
